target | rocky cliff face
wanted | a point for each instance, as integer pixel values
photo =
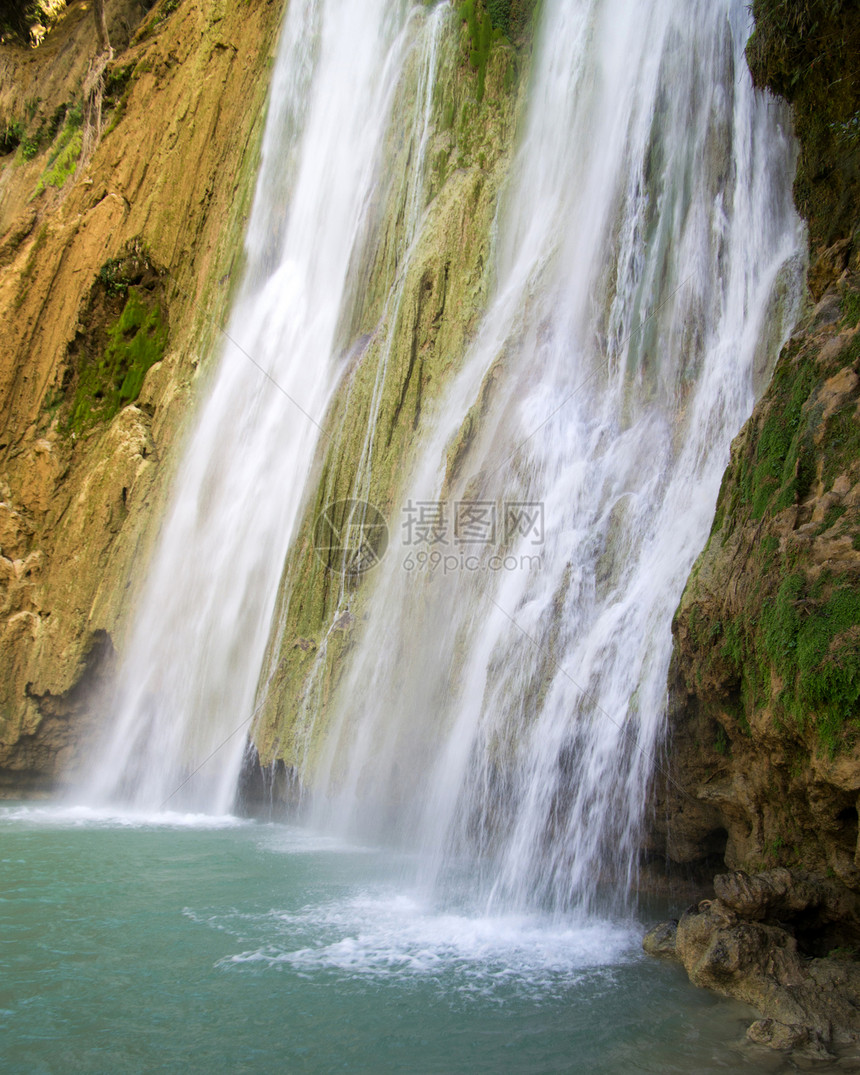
(116, 272)
(114, 278)
(762, 770)
(765, 688)
(766, 678)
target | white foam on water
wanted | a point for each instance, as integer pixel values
(90, 817)
(289, 840)
(395, 935)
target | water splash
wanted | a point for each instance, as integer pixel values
(649, 266)
(390, 935)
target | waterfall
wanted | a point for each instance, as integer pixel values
(502, 700)
(508, 712)
(194, 655)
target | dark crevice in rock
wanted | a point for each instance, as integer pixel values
(40, 761)
(268, 792)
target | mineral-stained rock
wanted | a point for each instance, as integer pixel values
(80, 500)
(805, 1003)
(782, 894)
(778, 1035)
(660, 941)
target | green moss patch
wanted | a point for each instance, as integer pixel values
(811, 634)
(136, 341)
(63, 160)
(481, 37)
(124, 332)
(780, 469)
(38, 131)
(790, 446)
(785, 638)
(808, 51)
(799, 653)
(512, 17)
(490, 21)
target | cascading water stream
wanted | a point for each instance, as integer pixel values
(649, 266)
(409, 195)
(196, 650)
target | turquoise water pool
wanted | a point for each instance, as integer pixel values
(194, 944)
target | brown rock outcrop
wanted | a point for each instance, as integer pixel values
(749, 944)
(172, 177)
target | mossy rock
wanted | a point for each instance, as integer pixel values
(401, 347)
(781, 635)
(808, 51)
(63, 161)
(123, 331)
(136, 341)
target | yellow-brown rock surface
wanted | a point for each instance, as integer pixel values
(172, 175)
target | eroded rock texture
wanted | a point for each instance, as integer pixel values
(762, 766)
(114, 278)
(757, 942)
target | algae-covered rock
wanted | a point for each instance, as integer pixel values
(661, 940)
(765, 717)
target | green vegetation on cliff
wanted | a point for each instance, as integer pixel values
(810, 638)
(789, 644)
(63, 160)
(489, 21)
(808, 51)
(124, 335)
(766, 671)
(136, 341)
(796, 438)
